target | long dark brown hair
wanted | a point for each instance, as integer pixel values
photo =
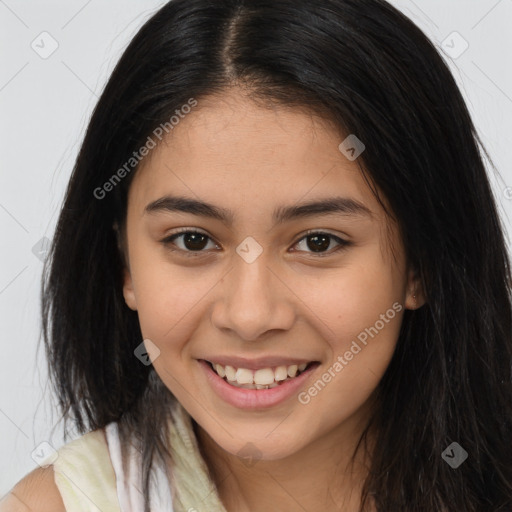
(370, 70)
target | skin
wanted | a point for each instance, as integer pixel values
(36, 492)
(290, 301)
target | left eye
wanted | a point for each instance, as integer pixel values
(319, 241)
(195, 241)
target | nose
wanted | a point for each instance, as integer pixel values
(253, 300)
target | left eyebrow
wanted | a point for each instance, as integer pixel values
(333, 205)
(345, 206)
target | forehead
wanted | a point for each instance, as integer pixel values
(232, 150)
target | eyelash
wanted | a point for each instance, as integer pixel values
(194, 254)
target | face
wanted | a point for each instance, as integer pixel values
(263, 284)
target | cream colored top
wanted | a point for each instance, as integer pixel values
(90, 478)
(85, 476)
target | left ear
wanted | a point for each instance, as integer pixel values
(415, 296)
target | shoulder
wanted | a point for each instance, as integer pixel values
(36, 492)
(81, 473)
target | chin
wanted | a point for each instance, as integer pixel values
(255, 449)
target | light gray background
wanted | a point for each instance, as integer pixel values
(45, 105)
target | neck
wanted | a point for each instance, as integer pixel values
(322, 476)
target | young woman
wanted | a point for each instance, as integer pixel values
(279, 280)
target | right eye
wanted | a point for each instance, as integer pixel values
(192, 242)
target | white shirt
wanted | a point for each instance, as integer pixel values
(129, 487)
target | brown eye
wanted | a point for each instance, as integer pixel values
(318, 242)
(190, 241)
(194, 241)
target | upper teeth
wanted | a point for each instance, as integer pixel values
(262, 377)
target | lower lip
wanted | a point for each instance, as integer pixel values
(255, 398)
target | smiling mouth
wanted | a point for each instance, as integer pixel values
(264, 378)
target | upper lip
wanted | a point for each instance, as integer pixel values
(256, 363)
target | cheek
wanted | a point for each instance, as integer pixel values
(363, 316)
(345, 302)
(170, 298)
